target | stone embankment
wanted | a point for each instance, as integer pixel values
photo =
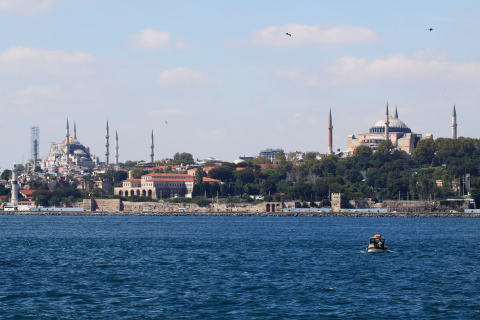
(250, 214)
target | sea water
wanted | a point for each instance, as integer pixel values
(106, 267)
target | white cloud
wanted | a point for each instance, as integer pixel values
(421, 65)
(153, 39)
(308, 35)
(33, 93)
(25, 7)
(428, 64)
(182, 75)
(24, 60)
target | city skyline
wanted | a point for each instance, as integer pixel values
(225, 80)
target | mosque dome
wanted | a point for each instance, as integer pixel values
(70, 140)
(395, 125)
(79, 152)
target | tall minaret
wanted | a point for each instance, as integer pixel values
(107, 145)
(151, 148)
(396, 113)
(67, 144)
(454, 123)
(74, 132)
(15, 185)
(387, 122)
(330, 127)
(116, 147)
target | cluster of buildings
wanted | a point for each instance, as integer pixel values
(70, 156)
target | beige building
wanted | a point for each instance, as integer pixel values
(160, 186)
(390, 128)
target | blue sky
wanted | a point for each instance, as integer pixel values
(226, 78)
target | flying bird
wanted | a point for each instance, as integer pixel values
(166, 122)
(430, 29)
(288, 34)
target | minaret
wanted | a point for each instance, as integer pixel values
(330, 127)
(454, 123)
(387, 122)
(74, 132)
(107, 153)
(67, 144)
(151, 148)
(396, 113)
(15, 185)
(116, 147)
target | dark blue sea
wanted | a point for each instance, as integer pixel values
(106, 267)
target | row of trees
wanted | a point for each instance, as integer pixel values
(387, 173)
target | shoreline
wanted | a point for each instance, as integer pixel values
(246, 214)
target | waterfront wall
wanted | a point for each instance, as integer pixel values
(128, 206)
(102, 205)
(408, 206)
(116, 205)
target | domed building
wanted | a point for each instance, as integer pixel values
(391, 128)
(68, 152)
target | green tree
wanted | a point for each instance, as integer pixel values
(292, 156)
(261, 160)
(424, 152)
(280, 155)
(6, 174)
(199, 174)
(183, 158)
(137, 173)
(385, 147)
(363, 152)
(309, 156)
(130, 163)
(223, 173)
(475, 193)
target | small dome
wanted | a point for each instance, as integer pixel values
(79, 152)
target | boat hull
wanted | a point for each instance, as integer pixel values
(376, 250)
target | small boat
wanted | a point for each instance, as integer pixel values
(377, 244)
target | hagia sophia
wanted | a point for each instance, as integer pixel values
(390, 128)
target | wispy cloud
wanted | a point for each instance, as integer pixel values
(307, 35)
(154, 39)
(428, 64)
(421, 65)
(24, 60)
(25, 7)
(182, 75)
